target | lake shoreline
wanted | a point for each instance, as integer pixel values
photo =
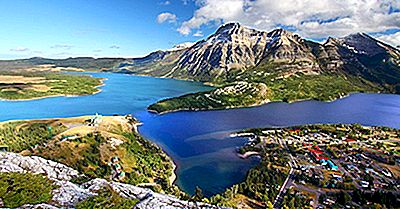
(248, 106)
(131, 95)
(61, 95)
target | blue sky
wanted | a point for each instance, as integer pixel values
(87, 28)
(130, 28)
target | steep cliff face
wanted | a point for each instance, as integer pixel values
(373, 60)
(234, 47)
(231, 47)
(362, 56)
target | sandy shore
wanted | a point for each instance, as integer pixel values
(172, 178)
(248, 154)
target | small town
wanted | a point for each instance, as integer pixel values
(334, 166)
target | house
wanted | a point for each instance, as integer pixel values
(323, 162)
(337, 177)
(65, 138)
(364, 184)
(3, 148)
(350, 141)
(332, 165)
(386, 172)
(95, 120)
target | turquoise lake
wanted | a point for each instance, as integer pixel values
(199, 142)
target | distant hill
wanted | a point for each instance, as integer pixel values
(85, 63)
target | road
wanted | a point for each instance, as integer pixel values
(341, 168)
(282, 191)
(289, 179)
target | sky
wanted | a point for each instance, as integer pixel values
(133, 28)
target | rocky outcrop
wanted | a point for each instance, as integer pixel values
(68, 194)
(12, 162)
(147, 198)
(39, 206)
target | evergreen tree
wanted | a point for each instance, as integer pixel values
(198, 194)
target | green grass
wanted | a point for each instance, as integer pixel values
(297, 87)
(254, 94)
(150, 161)
(59, 84)
(142, 161)
(17, 189)
(317, 87)
(107, 198)
(19, 136)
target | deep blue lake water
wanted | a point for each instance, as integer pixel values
(199, 142)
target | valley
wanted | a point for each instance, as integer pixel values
(268, 79)
(200, 104)
(288, 67)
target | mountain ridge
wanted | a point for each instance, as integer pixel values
(293, 68)
(236, 47)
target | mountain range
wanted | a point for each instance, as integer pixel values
(250, 67)
(234, 49)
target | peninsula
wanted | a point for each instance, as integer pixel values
(27, 85)
(88, 147)
(319, 166)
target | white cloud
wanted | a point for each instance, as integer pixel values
(62, 46)
(166, 17)
(198, 33)
(310, 18)
(165, 3)
(392, 39)
(20, 49)
(115, 47)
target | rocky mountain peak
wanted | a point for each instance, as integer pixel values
(182, 46)
(279, 32)
(234, 47)
(331, 42)
(361, 43)
(229, 28)
(233, 32)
